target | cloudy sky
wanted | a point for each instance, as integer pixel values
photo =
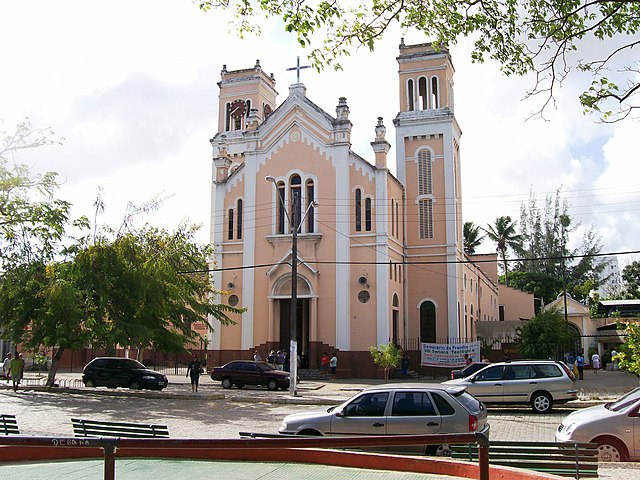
(131, 87)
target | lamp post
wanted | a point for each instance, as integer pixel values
(293, 326)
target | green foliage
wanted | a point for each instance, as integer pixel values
(387, 356)
(503, 232)
(64, 293)
(472, 237)
(631, 277)
(548, 38)
(629, 354)
(548, 264)
(544, 336)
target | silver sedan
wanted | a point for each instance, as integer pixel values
(615, 427)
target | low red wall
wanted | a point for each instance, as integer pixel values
(376, 461)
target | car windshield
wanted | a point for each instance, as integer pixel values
(130, 363)
(630, 398)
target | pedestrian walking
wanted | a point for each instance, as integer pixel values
(194, 370)
(257, 357)
(333, 365)
(595, 362)
(404, 365)
(580, 365)
(280, 358)
(6, 367)
(614, 359)
(16, 369)
(324, 364)
(271, 358)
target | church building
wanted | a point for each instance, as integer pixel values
(379, 255)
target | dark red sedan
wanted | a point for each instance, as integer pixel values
(249, 372)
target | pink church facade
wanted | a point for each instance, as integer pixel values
(380, 258)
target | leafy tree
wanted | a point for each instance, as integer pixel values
(545, 234)
(545, 335)
(139, 294)
(387, 356)
(472, 237)
(504, 234)
(629, 355)
(543, 286)
(41, 306)
(524, 37)
(631, 277)
(32, 221)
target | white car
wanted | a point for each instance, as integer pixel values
(396, 409)
(615, 427)
(539, 383)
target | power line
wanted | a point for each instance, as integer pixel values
(429, 262)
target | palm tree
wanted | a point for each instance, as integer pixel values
(471, 237)
(505, 235)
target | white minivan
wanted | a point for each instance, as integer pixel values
(539, 383)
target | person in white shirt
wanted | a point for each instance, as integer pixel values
(595, 362)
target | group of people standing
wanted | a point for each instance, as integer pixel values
(577, 363)
(329, 364)
(277, 360)
(13, 368)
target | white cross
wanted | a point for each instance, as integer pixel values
(298, 68)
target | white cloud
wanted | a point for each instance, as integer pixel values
(132, 88)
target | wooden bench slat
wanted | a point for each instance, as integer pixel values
(85, 428)
(544, 457)
(9, 425)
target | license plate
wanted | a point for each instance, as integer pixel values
(160, 383)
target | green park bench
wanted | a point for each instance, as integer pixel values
(9, 425)
(577, 460)
(96, 428)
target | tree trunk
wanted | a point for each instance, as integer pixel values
(386, 373)
(54, 367)
(506, 272)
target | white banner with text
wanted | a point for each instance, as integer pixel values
(449, 355)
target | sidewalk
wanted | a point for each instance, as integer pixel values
(595, 388)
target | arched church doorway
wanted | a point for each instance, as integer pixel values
(282, 319)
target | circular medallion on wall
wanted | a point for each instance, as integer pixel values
(294, 136)
(233, 300)
(364, 296)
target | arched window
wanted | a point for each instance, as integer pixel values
(397, 220)
(310, 211)
(239, 222)
(393, 219)
(227, 117)
(410, 94)
(396, 302)
(425, 218)
(423, 102)
(248, 110)
(281, 208)
(435, 94)
(367, 214)
(427, 322)
(425, 186)
(296, 201)
(230, 233)
(358, 210)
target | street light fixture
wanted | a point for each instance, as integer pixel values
(293, 327)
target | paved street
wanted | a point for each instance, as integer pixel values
(217, 413)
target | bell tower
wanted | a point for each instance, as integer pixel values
(245, 93)
(428, 159)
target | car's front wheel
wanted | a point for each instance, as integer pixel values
(610, 449)
(135, 385)
(541, 402)
(272, 384)
(227, 383)
(89, 383)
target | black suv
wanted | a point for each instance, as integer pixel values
(116, 372)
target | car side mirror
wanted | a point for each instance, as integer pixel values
(340, 413)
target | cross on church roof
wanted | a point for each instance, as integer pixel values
(298, 68)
